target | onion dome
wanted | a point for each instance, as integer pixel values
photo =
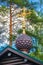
(24, 42)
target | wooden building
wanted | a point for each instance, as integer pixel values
(11, 56)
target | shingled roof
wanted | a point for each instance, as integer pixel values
(21, 54)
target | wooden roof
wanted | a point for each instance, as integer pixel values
(21, 54)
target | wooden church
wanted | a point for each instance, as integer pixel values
(11, 56)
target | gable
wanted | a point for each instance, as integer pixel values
(12, 57)
(9, 54)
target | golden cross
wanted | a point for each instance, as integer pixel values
(23, 14)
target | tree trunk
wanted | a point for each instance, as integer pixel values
(10, 24)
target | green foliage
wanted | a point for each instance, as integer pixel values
(18, 2)
(37, 56)
(27, 32)
(41, 41)
(3, 8)
(19, 31)
(21, 2)
(31, 34)
(13, 37)
(34, 17)
(41, 9)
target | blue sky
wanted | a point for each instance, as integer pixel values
(34, 0)
(29, 0)
(3, 3)
(38, 7)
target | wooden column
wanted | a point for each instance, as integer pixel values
(10, 23)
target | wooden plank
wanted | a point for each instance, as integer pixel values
(10, 58)
(26, 64)
(10, 61)
(16, 63)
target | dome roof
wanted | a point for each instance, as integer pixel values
(23, 42)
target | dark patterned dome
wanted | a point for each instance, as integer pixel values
(23, 42)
